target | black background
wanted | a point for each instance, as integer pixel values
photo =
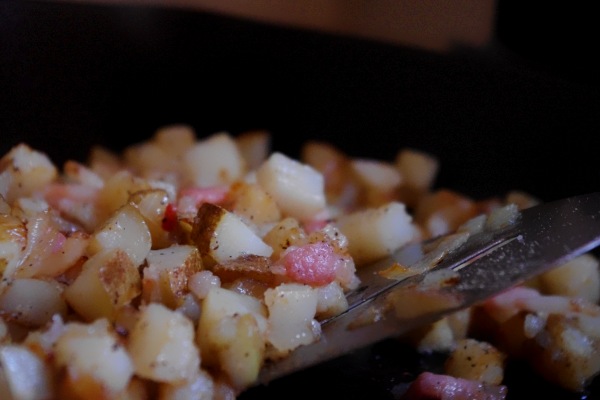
(521, 113)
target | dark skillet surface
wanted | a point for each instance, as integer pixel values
(73, 75)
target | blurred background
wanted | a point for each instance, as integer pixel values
(504, 93)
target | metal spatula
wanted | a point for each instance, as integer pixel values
(489, 262)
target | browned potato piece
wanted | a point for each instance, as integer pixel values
(125, 230)
(476, 360)
(444, 211)
(152, 204)
(221, 236)
(419, 170)
(253, 204)
(340, 186)
(165, 278)
(254, 147)
(108, 281)
(284, 234)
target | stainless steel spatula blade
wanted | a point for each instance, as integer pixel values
(490, 262)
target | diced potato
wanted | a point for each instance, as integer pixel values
(568, 351)
(149, 160)
(104, 162)
(460, 322)
(419, 170)
(432, 338)
(218, 304)
(298, 189)
(200, 387)
(376, 232)
(254, 147)
(108, 281)
(379, 180)
(250, 268)
(201, 282)
(162, 345)
(13, 238)
(75, 202)
(444, 211)
(579, 277)
(32, 302)
(97, 365)
(24, 171)
(474, 225)
(116, 191)
(331, 300)
(213, 161)
(152, 204)
(341, 188)
(476, 360)
(522, 199)
(251, 203)
(502, 217)
(165, 278)
(222, 236)
(23, 375)
(125, 230)
(442, 335)
(414, 301)
(75, 172)
(286, 233)
(292, 309)
(240, 346)
(175, 139)
(48, 252)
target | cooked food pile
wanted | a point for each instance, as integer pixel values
(177, 268)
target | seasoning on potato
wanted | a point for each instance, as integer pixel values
(178, 267)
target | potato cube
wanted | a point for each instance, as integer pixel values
(24, 171)
(32, 302)
(375, 233)
(218, 304)
(108, 281)
(162, 345)
(125, 230)
(165, 279)
(476, 360)
(292, 309)
(579, 277)
(23, 375)
(213, 161)
(298, 189)
(222, 236)
(96, 363)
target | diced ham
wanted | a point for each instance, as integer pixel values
(509, 303)
(192, 197)
(313, 264)
(430, 386)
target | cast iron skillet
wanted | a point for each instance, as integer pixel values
(74, 75)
